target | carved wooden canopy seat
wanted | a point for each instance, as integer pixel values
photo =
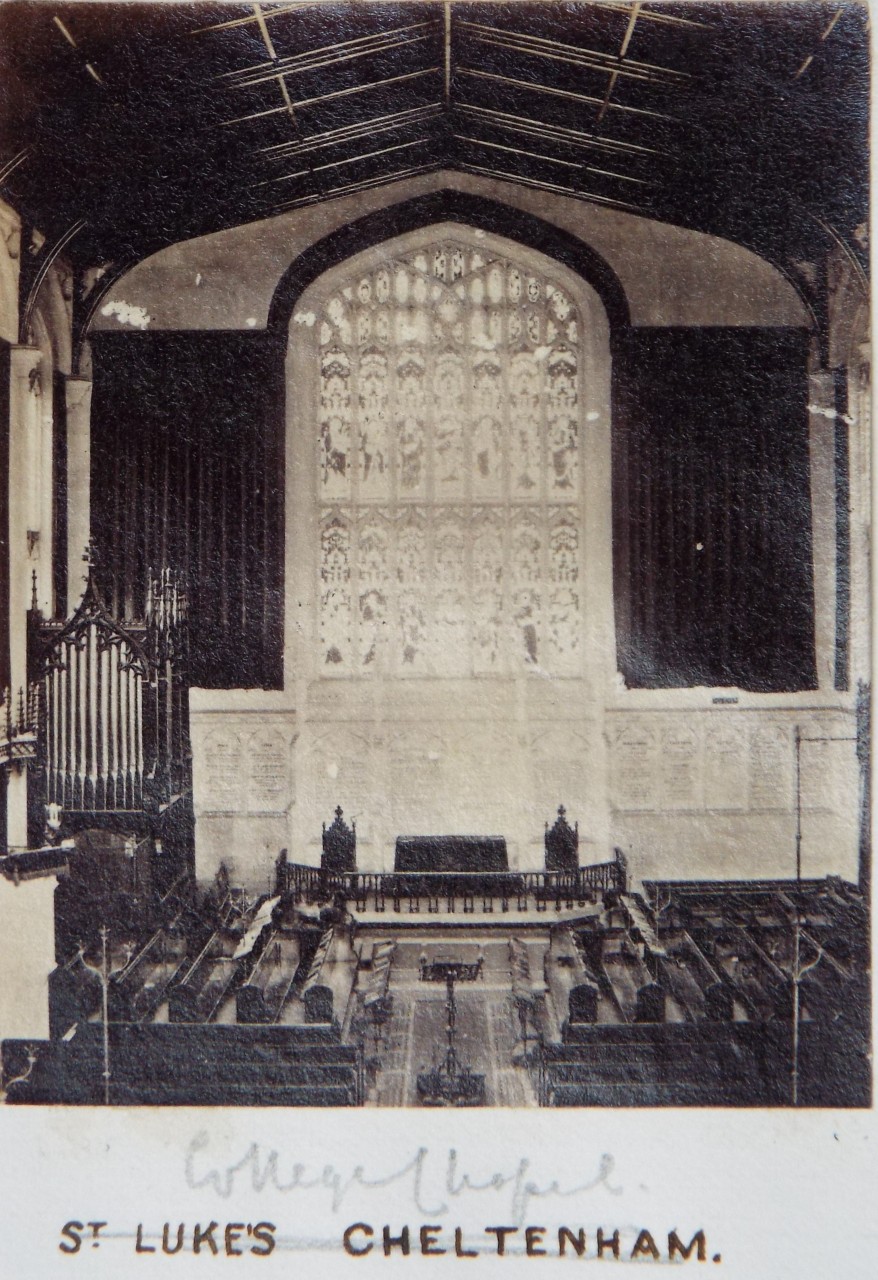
(339, 844)
(562, 844)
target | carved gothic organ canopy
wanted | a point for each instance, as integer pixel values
(112, 707)
(449, 437)
(94, 679)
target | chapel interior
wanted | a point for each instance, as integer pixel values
(434, 554)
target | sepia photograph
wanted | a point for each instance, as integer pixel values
(435, 605)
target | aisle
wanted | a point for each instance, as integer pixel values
(414, 1038)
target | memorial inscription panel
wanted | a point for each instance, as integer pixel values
(270, 782)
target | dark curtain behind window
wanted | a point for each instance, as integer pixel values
(712, 526)
(187, 471)
(712, 515)
(4, 518)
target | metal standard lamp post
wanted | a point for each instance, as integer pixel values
(797, 972)
(450, 1083)
(798, 806)
(105, 979)
(451, 1016)
(794, 1082)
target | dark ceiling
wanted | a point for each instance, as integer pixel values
(129, 126)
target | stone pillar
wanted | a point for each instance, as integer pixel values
(859, 468)
(27, 949)
(821, 410)
(10, 255)
(44, 506)
(78, 391)
(25, 453)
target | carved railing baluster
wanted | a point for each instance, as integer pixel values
(564, 889)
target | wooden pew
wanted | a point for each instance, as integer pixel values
(204, 986)
(74, 995)
(327, 989)
(262, 997)
(376, 999)
(574, 991)
(138, 989)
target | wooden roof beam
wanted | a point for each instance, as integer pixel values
(579, 193)
(339, 93)
(281, 69)
(608, 58)
(365, 184)
(338, 137)
(337, 164)
(294, 59)
(563, 93)
(535, 155)
(558, 133)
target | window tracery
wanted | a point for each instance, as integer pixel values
(448, 468)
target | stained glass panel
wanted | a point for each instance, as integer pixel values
(335, 596)
(450, 394)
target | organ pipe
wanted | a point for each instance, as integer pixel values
(112, 722)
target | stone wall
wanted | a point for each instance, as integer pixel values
(695, 792)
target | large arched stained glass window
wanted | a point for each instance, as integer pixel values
(448, 468)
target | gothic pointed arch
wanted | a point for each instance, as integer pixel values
(479, 212)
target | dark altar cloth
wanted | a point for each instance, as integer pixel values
(451, 853)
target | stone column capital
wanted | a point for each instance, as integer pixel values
(21, 355)
(10, 229)
(25, 368)
(78, 393)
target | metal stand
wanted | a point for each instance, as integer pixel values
(451, 1083)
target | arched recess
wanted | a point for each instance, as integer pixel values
(719, 629)
(449, 543)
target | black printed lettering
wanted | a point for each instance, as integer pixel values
(264, 1233)
(71, 1241)
(347, 1239)
(205, 1237)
